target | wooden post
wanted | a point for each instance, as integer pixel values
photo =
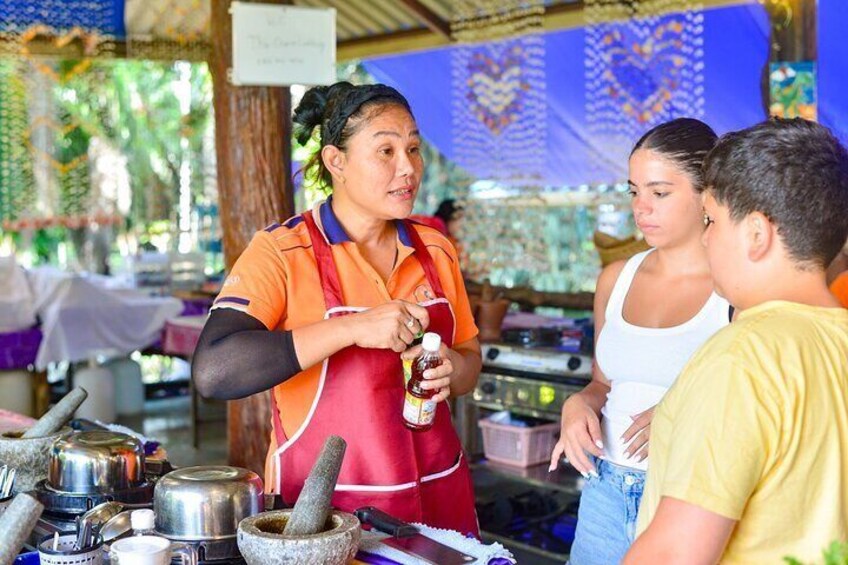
(793, 29)
(792, 36)
(253, 147)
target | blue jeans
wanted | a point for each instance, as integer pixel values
(606, 521)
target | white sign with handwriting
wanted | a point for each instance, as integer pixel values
(283, 45)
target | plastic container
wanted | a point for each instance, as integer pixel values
(30, 558)
(100, 384)
(64, 554)
(129, 388)
(17, 392)
(143, 522)
(519, 446)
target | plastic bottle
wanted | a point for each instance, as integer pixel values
(407, 363)
(143, 522)
(419, 408)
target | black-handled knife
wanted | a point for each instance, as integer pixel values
(385, 522)
(406, 538)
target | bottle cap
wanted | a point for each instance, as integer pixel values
(431, 341)
(142, 519)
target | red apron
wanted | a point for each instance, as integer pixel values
(416, 476)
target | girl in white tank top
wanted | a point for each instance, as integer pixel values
(642, 363)
(645, 334)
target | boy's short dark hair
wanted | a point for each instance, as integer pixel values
(793, 171)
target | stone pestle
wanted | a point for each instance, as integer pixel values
(310, 512)
(57, 416)
(16, 525)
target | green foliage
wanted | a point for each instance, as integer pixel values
(133, 105)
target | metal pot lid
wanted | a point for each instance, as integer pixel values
(210, 474)
(206, 502)
(99, 440)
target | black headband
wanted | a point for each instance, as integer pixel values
(351, 102)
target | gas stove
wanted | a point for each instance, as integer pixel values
(547, 363)
(530, 511)
(219, 552)
(533, 381)
(62, 504)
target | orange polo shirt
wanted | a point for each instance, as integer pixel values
(276, 281)
(839, 288)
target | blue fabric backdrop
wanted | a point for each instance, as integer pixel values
(833, 66)
(105, 17)
(735, 54)
(735, 51)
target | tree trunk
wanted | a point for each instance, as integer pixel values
(253, 147)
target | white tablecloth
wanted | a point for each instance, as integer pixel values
(17, 311)
(82, 317)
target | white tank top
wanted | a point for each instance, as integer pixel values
(642, 363)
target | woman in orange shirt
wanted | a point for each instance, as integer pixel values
(344, 289)
(837, 276)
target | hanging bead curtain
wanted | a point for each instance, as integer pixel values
(498, 89)
(75, 135)
(44, 168)
(644, 65)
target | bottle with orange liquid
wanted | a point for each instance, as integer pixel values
(419, 408)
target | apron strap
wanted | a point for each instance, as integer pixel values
(425, 259)
(277, 421)
(326, 266)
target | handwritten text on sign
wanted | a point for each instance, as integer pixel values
(283, 45)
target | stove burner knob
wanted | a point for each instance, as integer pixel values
(574, 363)
(488, 388)
(493, 353)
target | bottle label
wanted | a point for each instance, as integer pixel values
(407, 370)
(418, 411)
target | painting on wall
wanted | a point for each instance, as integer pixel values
(792, 90)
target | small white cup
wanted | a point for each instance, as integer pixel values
(149, 550)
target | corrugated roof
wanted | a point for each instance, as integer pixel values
(180, 28)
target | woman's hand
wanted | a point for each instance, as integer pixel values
(439, 378)
(639, 431)
(389, 326)
(580, 434)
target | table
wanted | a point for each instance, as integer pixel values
(18, 349)
(83, 317)
(12, 421)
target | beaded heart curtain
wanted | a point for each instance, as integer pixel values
(498, 89)
(44, 160)
(499, 121)
(644, 64)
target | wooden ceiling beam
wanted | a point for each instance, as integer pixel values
(430, 18)
(394, 43)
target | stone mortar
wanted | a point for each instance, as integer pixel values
(30, 457)
(261, 541)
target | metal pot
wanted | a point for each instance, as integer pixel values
(96, 462)
(206, 503)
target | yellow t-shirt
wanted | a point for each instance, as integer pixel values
(756, 429)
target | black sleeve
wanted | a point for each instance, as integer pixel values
(237, 356)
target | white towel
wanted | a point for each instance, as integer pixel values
(372, 543)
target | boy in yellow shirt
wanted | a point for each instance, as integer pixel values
(749, 449)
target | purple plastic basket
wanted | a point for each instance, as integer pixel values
(18, 349)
